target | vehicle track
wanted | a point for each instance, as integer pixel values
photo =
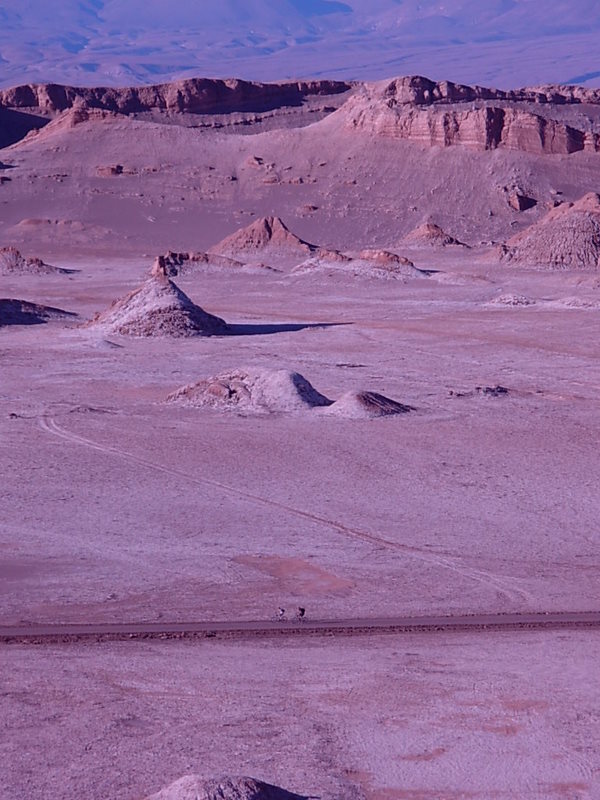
(504, 586)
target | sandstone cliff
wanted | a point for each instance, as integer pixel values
(194, 96)
(446, 114)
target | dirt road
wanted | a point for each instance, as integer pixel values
(42, 634)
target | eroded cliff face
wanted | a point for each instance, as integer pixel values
(446, 114)
(417, 90)
(194, 96)
(554, 120)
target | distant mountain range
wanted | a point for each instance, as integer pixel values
(116, 42)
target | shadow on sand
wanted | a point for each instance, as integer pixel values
(264, 329)
(20, 312)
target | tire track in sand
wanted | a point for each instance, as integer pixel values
(505, 586)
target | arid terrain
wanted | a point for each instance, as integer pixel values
(320, 344)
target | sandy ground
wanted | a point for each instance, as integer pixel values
(117, 506)
(382, 718)
(120, 505)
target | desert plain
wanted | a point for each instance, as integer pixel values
(352, 367)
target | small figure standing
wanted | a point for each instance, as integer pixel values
(300, 613)
(281, 614)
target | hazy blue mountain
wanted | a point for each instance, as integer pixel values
(502, 42)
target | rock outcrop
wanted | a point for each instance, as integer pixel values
(420, 91)
(446, 114)
(367, 264)
(568, 237)
(252, 390)
(12, 262)
(158, 308)
(193, 96)
(172, 263)
(512, 300)
(193, 787)
(412, 108)
(519, 200)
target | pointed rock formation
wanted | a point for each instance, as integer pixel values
(432, 235)
(265, 234)
(252, 390)
(158, 308)
(568, 237)
(366, 405)
(193, 787)
(12, 262)
(20, 312)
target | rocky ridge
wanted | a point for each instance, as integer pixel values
(411, 108)
(446, 114)
(192, 96)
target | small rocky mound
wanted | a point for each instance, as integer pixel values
(518, 200)
(512, 300)
(13, 263)
(482, 391)
(367, 264)
(172, 264)
(252, 391)
(158, 308)
(366, 405)
(193, 787)
(576, 302)
(267, 233)
(568, 237)
(20, 312)
(431, 235)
